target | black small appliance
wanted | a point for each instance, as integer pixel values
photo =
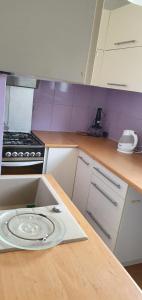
(96, 129)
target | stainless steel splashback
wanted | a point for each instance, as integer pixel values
(21, 81)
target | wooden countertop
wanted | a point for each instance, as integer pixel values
(128, 167)
(81, 270)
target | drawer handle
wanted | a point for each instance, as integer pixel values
(136, 201)
(99, 225)
(108, 178)
(86, 163)
(125, 42)
(116, 84)
(104, 194)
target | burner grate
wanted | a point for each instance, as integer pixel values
(20, 138)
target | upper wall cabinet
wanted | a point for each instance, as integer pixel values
(125, 27)
(121, 69)
(118, 61)
(48, 38)
(97, 70)
(103, 29)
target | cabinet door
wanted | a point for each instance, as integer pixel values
(104, 209)
(82, 182)
(97, 69)
(124, 28)
(103, 29)
(129, 242)
(121, 69)
(61, 163)
(48, 38)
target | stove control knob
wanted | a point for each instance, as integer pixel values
(38, 154)
(20, 154)
(8, 154)
(14, 154)
(32, 154)
(27, 154)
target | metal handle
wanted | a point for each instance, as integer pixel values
(86, 163)
(136, 201)
(20, 164)
(116, 84)
(104, 194)
(108, 178)
(125, 42)
(99, 225)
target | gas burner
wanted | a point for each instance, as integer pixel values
(20, 138)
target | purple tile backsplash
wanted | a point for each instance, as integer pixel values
(71, 107)
(123, 110)
(65, 107)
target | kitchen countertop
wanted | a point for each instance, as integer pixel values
(128, 167)
(80, 270)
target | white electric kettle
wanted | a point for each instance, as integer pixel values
(127, 142)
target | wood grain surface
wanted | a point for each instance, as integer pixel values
(81, 270)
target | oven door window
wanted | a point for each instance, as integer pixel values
(14, 168)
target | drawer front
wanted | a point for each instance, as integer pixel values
(109, 242)
(85, 158)
(104, 208)
(114, 182)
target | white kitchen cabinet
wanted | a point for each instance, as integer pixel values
(103, 29)
(118, 59)
(61, 163)
(129, 241)
(124, 28)
(82, 181)
(112, 208)
(121, 69)
(49, 39)
(97, 69)
(104, 210)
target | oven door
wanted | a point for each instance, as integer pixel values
(23, 167)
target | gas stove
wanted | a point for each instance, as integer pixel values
(19, 146)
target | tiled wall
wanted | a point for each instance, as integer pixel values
(70, 107)
(65, 107)
(123, 111)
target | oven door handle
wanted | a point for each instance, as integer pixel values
(20, 164)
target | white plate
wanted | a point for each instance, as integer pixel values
(30, 231)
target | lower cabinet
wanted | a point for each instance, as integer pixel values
(103, 211)
(61, 163)
(128, 247)
(112, 208)
(82, 181)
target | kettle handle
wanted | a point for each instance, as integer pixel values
(135, 139)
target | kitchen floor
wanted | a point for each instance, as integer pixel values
(136, 273)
